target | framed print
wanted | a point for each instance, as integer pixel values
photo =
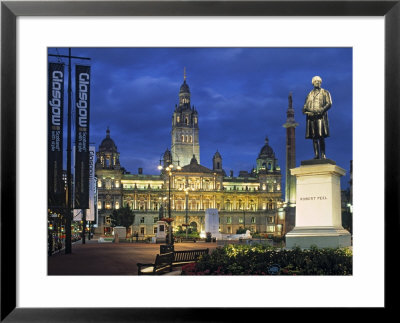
(368, 33)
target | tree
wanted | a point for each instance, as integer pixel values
(122, 217)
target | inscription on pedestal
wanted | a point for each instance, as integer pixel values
(313, 198)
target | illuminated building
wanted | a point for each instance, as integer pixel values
(252, 200)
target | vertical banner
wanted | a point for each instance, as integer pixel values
(90, 212)
(56, 193)
(82, 94)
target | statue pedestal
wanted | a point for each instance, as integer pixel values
(212, 223)
(161, 234)
(318, 206)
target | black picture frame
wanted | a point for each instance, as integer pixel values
(10, 10)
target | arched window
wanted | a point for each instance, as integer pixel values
(187, 120)
(252, 205)
(183, 138)
(228, 205)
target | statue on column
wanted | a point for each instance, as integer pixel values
(318, 102)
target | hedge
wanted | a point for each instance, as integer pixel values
(260, 260)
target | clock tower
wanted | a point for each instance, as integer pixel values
(185, 129)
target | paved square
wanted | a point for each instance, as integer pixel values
(95, 258)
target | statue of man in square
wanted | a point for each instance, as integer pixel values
(318, 102)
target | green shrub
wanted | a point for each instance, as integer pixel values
(193, 234)
(257, 260)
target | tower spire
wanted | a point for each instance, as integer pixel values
(184, 73)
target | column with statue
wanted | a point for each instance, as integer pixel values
(318, 199)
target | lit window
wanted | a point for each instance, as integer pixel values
(270, 228)
(240, 220)
(229, 220)
(99, 205)
(99, 183)
(117, 184)
(108, 205)
(117, 205)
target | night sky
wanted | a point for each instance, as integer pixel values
(241, 95)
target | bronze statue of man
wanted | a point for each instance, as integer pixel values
(318, 102)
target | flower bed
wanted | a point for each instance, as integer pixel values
(258, 260)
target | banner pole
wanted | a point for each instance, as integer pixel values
(68, 242)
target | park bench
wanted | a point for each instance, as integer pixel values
(186, 239)
(184, 257)
(162, 264)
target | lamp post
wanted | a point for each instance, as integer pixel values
(169, 169)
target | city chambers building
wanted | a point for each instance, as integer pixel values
(252, 200)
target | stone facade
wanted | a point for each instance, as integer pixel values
(251, 200)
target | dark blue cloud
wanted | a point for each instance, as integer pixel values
(241, 95)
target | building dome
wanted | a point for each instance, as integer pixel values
(217, 155)
(107, 156)
(167, 158)
(167, 155)
(108, 144)
(266, 151)
(184, 88)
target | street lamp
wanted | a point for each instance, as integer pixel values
(169, 170)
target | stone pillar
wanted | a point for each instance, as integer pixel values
(318, 206)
